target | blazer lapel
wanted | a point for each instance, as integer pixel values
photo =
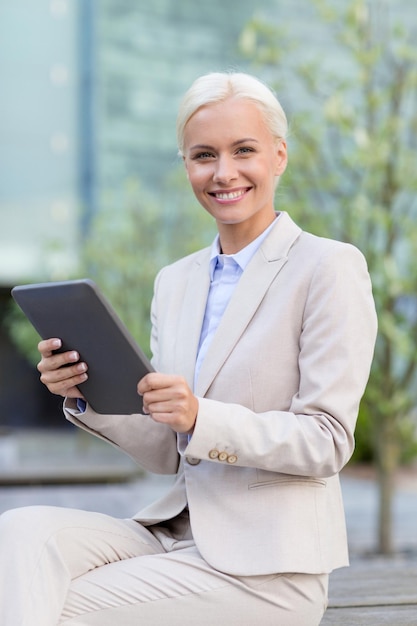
(192, 316)
(252, 287)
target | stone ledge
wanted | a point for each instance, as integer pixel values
(32, 457)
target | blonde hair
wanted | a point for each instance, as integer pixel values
(217, 87)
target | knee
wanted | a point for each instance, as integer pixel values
(23, 520)
(13, 523)
(15, 517)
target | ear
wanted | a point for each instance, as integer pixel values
(184, 160)
(281, 159)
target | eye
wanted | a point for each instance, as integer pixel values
(202, 156)
(245, 150)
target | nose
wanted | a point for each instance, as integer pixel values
(225, 170)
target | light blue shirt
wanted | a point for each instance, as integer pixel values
(225, 272)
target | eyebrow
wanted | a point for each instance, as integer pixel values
(235, 143)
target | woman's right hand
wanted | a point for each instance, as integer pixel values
(61, 372)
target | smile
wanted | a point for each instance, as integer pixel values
(229, 195)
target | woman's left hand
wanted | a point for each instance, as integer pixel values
(169, 400)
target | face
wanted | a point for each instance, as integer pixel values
(232, 160)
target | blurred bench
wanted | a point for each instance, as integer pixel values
(374, 592)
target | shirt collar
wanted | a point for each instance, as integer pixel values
(242, 257)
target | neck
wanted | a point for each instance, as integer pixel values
(235, 237)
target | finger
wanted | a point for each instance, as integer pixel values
(64, 373)
(156, 380)
(47, 346)
(56, 361)
(66, 392)
(68, 387)
(64, 382)
(145, 384)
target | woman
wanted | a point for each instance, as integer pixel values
(262, 346)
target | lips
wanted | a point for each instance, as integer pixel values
(229, 195)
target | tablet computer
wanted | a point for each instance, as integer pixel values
(76, 312)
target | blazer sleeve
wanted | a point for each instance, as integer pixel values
(151, 445)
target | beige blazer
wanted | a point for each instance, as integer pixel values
(279, 393)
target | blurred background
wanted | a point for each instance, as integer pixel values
(91, 185)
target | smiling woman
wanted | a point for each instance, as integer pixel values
(262, 346)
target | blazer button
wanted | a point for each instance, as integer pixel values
(192, 461)
(223, 456)
(232, 458)
(213, 454)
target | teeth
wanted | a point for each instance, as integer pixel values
(229, 196)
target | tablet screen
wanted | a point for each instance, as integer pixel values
(78, 313)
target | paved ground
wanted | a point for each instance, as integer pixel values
(79, 471)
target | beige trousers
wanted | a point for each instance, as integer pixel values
(76, 568)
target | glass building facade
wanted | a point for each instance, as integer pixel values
(38, 137)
